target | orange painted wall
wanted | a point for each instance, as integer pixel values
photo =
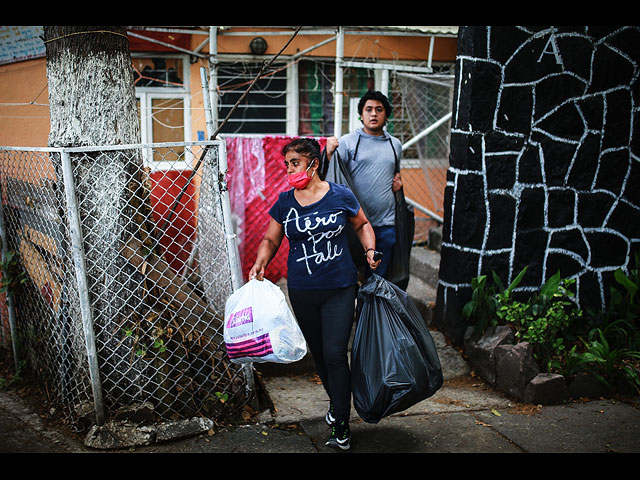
(24, 104)
(385, 47)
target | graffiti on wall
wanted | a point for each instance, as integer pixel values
(545, 167)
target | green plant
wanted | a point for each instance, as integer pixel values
(17, 378)
(159, 345)
(565, 340)
(543, 318)
(482, 307)
(630, 283)
(485, 300)
(12, 273)
(504, 294)
(567, 363)
(624, 307)
(139, 339)
(620, 333)
(222, 397)
(610, 364)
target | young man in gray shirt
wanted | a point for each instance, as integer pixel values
(370, 155)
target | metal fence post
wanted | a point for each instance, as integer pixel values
(77, 251)
(232, 245)
(10, 301)
(337, 118)
(230, 236)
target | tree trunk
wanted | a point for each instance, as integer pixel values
(92, 97)
(92, 103)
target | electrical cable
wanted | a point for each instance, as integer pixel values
(215, 134)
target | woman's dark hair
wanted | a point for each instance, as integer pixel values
(304, 146)
(374, 95)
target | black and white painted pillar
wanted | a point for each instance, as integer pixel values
(545, 161)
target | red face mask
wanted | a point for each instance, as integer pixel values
(300, 180)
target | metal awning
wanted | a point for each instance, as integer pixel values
(435, 30)
(426, 30)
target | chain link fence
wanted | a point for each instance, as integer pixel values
(421, 120)
(132, 311)
(422, 105)
(119, 275)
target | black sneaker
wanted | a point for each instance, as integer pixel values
(340, 436)
(329, 416)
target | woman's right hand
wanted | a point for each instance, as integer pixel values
(267, 249)
(332, 144)
(257, 272)
(372, 263)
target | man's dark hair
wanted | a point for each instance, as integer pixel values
(304, 146)
(375, 95)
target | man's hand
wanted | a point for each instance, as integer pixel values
(397, 183)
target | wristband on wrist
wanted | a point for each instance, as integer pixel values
(367, 251)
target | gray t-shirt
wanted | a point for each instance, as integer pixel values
(372, 169)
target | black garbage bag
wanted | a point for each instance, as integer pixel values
(398, 272)
(394, 361)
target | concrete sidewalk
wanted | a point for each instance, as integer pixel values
(464, 416)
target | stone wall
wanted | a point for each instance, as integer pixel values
(545, 162)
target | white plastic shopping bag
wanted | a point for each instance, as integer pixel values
(260, 327)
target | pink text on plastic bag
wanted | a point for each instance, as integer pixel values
(240, 317)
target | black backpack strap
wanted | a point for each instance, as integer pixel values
(324, 164)
(355, 153)
(395, 155)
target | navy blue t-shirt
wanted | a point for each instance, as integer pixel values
(319, 256)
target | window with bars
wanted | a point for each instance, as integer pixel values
(315, 98)
(316, 81)
(263, 110)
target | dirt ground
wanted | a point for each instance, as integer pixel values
(34, 396)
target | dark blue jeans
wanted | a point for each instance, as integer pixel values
(385, 240)
(326, 319)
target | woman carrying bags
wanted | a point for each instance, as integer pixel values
(322, 277)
